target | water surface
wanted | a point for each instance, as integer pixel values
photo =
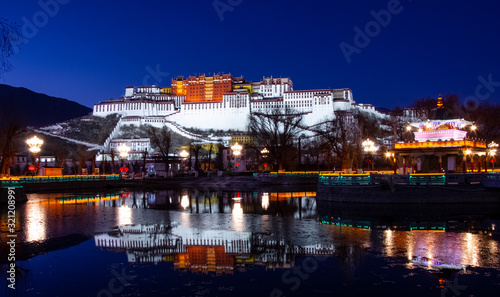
(196, 242)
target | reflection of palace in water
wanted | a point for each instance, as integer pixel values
(292, 204)
(199, 250)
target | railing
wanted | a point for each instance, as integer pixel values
(413, 179)
(63, 178)
(7, 183)
(291, 173)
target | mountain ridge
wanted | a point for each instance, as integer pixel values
(29, 108)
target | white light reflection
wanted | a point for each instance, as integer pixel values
(35, 223)
(265, 201)
(185, 201)
(470, 256)
(238, 222)
(237, 210)
(389, 246)
(124, 215)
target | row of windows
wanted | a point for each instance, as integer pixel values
(267, 105)
(202, 106)
(131, 106)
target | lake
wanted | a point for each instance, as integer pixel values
(210, 242)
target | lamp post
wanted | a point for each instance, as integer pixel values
(123, 150)
(369, 148)
(264, 152)
(407, 136)
(492, 151)
(35, 145)
(183, 154)
(467, 152)
(392, 156)
(236, 148)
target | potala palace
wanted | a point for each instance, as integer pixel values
(224, 102)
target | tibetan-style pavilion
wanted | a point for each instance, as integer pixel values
(443, 143)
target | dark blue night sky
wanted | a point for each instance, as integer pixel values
(89, 51)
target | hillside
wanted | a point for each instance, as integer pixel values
(34, 109)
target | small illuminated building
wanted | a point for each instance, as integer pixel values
(443, 143)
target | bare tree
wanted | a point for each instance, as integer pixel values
(9, 145)
(10, 37)
(343, 135)
(161, 139)
(276, 129)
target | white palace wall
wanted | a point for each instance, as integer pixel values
(232, 112)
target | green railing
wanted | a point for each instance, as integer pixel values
(344, 179)
(427, 226)
(413, 179)
(55, 179)
(10, 184)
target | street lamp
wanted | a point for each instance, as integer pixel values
(264, 153)
(183, 154)
(236, 148)
(492, 151)
(392, 156)
(35, 145)
(370, 148)
(467, 152)
(123, 150)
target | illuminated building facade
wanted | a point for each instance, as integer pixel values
(443, 143)
(224, 102)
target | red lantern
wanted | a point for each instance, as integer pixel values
(493, 160)
(31, 168)
(126, 169)
(121, 169)
(265, 164)
(237, 164)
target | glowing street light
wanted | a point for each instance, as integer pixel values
(492, 148)
(236, 148)
(35, 145)
(264, 152)
(492, 151)
(123, 150)
(184, 154)
(392, 156)
(369, 146)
